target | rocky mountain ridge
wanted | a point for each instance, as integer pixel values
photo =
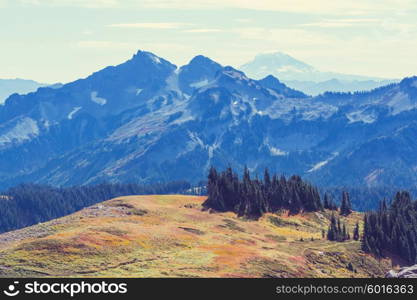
(147, 120)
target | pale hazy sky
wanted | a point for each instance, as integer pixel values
(62, 40)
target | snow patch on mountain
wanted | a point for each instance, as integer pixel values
(94, 97)
(371, 178)
(238, 106)
(191, 144)
(73, 112)
(400, 102)
(154, 58)
(274, 151)
(277, 152)
(215, 96)
(197, 141)
(195, 138)
(361, 116)
(237, 75)
(200, 84)
(45, 123)
(321, 164)
(238, 141)
(289, 68)
(25, 129)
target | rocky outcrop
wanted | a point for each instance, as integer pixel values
(406, 272)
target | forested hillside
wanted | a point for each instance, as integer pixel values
(392, 230)
(29, 204)
(364, 198)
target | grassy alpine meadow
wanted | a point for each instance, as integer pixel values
(173, 236)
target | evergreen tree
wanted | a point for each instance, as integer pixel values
(337, 232)
(356, 232)
(326, 202)
(346, 206)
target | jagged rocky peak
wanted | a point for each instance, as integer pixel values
(146, 62)
(144, 74)
(199, 72)
(232, 72)
(145, 55)
(201, 60)
(271, 82)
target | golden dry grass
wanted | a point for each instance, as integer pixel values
(170, 236)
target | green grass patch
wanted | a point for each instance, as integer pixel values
(279, 222)
(232, 225)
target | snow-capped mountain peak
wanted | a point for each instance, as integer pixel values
(278, 64)
(304, 77)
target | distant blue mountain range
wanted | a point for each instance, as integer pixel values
(306, 78)
(20, 86)
(146, 120)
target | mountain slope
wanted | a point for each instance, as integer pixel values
(306, 78)
(147, 120)
(51, 122)
(170, 236)
(20, 86)
(133, 109)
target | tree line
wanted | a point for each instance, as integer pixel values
(345, 203)
(29, 204)
(392, 229)
(365, 198)
(253, 197)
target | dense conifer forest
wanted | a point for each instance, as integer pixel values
(29, 204)
(363, 198)
(392, 229)
(252, 197)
